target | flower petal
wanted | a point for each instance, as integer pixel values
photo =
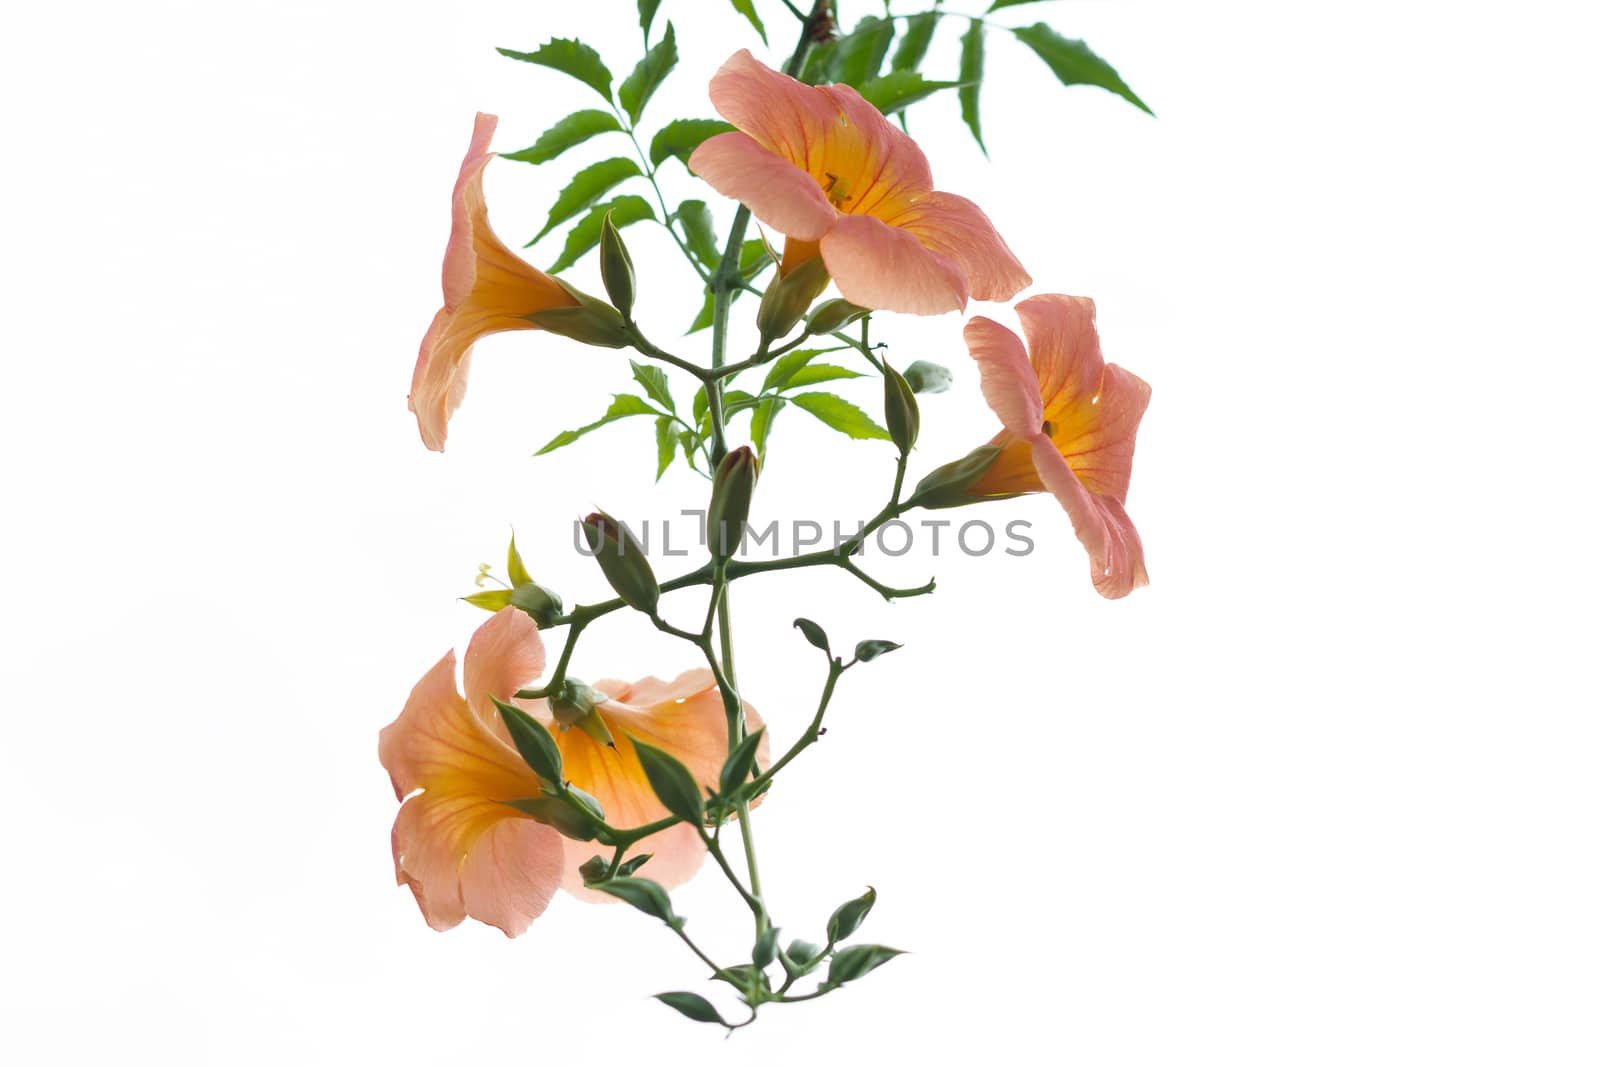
(1116, 555)
(504, 655)
(469, 214)
(877, 266)
(511, 873)
(676, 855)
(439, 382)
(1007, 379)
(956, 227)
(776, 191)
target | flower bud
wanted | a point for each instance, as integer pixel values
(788, 297)
(594, 869)
(575, 704)
(925, 377)
(834, 314)
(616, 267)
(946, 486)
(592, 322)
(900, 413)
(542, 605)
(731, 488)
(622, 559)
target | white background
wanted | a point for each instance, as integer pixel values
(1324, 793)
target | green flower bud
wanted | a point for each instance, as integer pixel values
(834, 314)
(575, 702)
(925, 377)
(594, 868)
(946, 486)
(731, 488)
(592, 322)
(542, 605)
(900, 412)
(616, 267)
(622, 559)
(788, 297)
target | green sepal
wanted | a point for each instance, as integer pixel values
(800, 957)
(847, 917)
(672, 783)
(534, 743)
(741, 761)
(514, 565)
(489, 599)
(630, 865)
(946, 486)
(557, 814)
(643, 894)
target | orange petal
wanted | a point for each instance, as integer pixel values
(777, 192)
(1007, 380)
(504, 655)
(878, 266)
(956, 227)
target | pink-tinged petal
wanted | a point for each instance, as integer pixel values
(511, 873)
(1116, 555)
(403, 745)
(504, 655)
(439, 382)
(676, 855)
(468, 214)
(877, 266)
(1006, 377)
(777, 192)
(1065, 347)
(1100, 449)
(652, 690)
(956, 227)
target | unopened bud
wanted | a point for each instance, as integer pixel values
(616, 267)
(575, 705)
(594, 869)
(947, 486)
(731, 489)
(834, 314)
(925, 377)
(542, 605)
(622, 559)
(592, 322)
(900, 413)
(788, 297)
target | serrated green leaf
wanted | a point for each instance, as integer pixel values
(588, 186)
(785, 366)
(899, 89)
(637, 88)
(622, 406)
(666, 445)
(837, 413)
(571, 131)
(914, 45)
(570, 57)
(858, 56)
(624, 210)
(654, 381)
(847, 917)
(699, 231)
(692, 1006)
(515, 568)
(679, 138)
(643, 894)
(817, 373)
(489, 599)
(971, 78)
(1073, 63)
(647, 15)
(858, 960)
(537, 748)
(741, 761)
(747, 8)
(761, 420)
(671, 782)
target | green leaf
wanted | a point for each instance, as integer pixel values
(802, 954)
(914, 45)
(766, 947)
(702, 405)
(839, 414)
(631, 865)
(786, 365)
(622, 406)
(647, 15)
(971, 77)
(586, 187)
(998, 4)
(761, 419)
(624, 210)
(703, 319)
(867, 651)
(533, 741)
(753, 255)
(514, 565)
(637, 88)
(747, 8)
(741, 761)
(571, 131)
(654, 380)
(489, 599)
(700, 232)
(1074, 64)
(679, 138)
(858, 56)
(569, 57)
(847, 918)
(693, 1006)
(813, 633)
(849, 964)
(899, 89)
(666, 445)
(643, 894)
(735, 401)
(672, 783)
(819, 372)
